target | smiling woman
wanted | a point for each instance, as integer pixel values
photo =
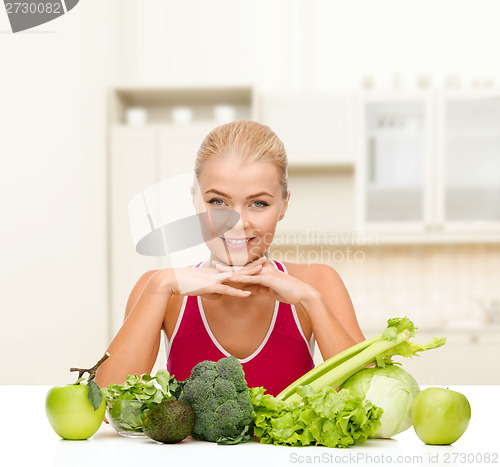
(243, 166)
(238, 302)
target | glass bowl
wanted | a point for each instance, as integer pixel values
(126, 416)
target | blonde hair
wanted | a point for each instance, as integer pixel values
(246, 141)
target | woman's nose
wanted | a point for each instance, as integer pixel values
(242, 224)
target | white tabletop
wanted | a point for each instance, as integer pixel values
(28, 440)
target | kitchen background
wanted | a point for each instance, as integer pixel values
(390, 112)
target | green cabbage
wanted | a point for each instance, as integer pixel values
(390, 388)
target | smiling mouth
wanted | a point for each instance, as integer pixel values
(237, 241)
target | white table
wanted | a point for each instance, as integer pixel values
(28, 440)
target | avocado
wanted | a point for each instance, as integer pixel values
(169, 422)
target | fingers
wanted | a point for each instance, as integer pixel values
(223, 275)
(224, 267)
(239, 269)
(255, 288)
(247, 279)
(262, 259)
(228, 290)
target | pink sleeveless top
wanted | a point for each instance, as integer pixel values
(283, 356)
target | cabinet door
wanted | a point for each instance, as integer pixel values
(316, 129)
(469, 160)
(395, 170)
(133, 167)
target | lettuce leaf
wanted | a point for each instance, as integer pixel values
(328, 418)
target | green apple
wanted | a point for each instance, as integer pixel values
(70, 412)
(440, 416)
(76, 411)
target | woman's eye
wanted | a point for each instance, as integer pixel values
(219, 202)
(216, 202)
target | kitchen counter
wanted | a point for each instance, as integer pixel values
(28, 440)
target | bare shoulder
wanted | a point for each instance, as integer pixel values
(314, 274)
(327, 281)
(137, 290)
(143, 280)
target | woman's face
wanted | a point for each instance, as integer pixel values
(254, 192)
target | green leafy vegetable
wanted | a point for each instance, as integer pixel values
(243, 437)
(130, 402)
(328, 418)
(390, 388)
(379, 350)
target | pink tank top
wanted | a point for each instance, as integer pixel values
(283, 356)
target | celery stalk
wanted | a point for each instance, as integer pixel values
(326, 366)
(345, 370)
(379, 349)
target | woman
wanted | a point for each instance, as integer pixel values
(238, 302)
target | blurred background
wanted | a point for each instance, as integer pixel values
(390, 113)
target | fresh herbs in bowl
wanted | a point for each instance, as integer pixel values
(130, 402)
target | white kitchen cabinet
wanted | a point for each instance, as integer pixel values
(317, 129)
(468, 160)
(429, 162)
(395, 168)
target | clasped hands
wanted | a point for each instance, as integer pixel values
(261, 277)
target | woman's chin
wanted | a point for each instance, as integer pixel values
(237, 258)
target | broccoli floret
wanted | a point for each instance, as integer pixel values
(245, 402)
(219, 396)
(202, 367)
(230, 368)
(205, 419)
(224, 390)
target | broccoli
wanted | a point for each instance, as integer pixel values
(220, 398)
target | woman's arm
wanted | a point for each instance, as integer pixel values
(330, 285)
(135, 346)
(330, 312)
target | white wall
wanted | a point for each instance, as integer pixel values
(53, 284)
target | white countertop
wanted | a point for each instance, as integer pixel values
(27, 439)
